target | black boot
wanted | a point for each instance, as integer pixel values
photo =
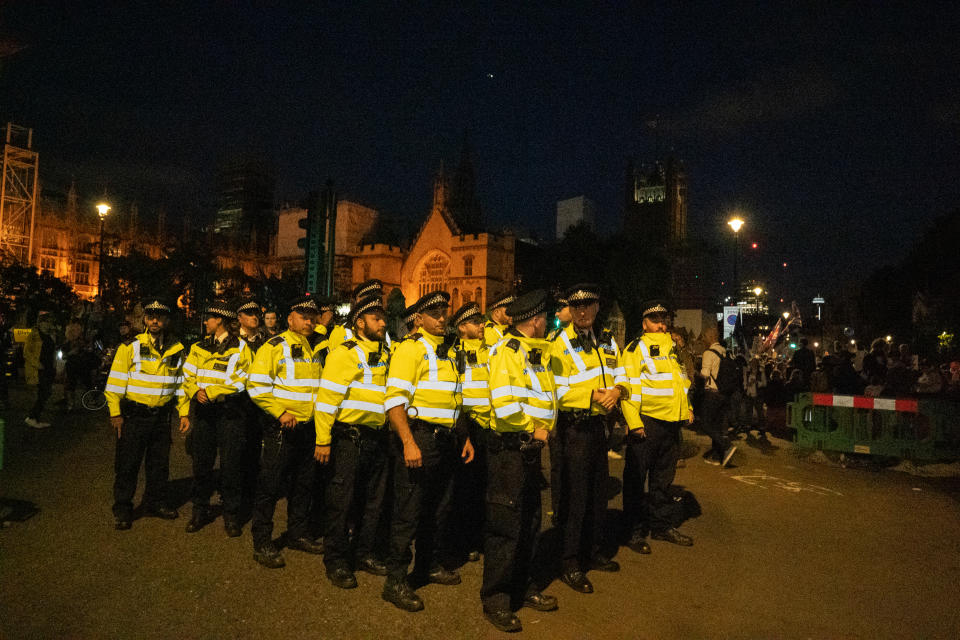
(399, 593)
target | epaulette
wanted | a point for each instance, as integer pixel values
(232, 342)
(606, 335)
(514, 344)
(275, 340)
(413, 336)
(314, 339)
(350, 344)
(633, 345)
(130, 341)
(489, 324)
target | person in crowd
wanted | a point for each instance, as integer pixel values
(499, 318)
(805, 360)
(846, 381)
(523, 401)
(874, 388)
(656, 407)
(271, 326)
(754, 385)
(470, 480)
(351, 438)
(283, 383)
(142, 391)
(248, 314)
(930, 381)
(423, 402)
(40, 366)
(586, 365)
(214, 383)
(716, 401)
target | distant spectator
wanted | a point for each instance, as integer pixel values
(875, 362)
(795, 384)
(930, 381)
(847, 381)
(805, 360)
(754, 392)
(900, 378)
(875, 388)
(39, 353)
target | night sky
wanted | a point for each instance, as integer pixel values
(832, 126)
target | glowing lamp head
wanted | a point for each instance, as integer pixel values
(786, 314)
(103, 209)
(735, 224)
(757, 291)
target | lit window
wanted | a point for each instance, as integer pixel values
(81, 273)
(478, 296)
(468, 265)
(48, 265)
(434, 274)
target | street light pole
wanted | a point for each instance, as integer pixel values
(735, 224)
(102, 210)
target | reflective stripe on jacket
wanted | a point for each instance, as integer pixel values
(423, 382)
(143, 374)
(523, 394)
(657, 382)
(579, 369)
(351, 388)
(476, 392)
(285, 376)
(219, 368)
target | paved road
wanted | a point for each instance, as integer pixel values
(784, 549)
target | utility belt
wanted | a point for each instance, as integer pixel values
(581, 419)
(522, 441)
(358, 433)
(440, 432)
(134, 408)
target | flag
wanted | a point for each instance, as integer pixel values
(738, 336)
(796, 322)
(771, 340)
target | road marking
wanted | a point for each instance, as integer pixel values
(765, 481)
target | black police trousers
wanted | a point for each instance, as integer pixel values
(651, 460)
(286, 458)
(218, 426)
(469, 489)
(144, 437)
(583, 503)
(421, 501)
(512, 523)
(357, 485)
(716, 416)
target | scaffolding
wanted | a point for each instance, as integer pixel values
(18, 194)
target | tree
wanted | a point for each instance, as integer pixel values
(24, 291)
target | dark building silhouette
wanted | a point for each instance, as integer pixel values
(245, 211)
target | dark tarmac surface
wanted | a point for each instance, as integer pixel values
(784, 548)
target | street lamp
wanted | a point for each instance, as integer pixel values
(756, 292)
(736, 224)
(102, 210)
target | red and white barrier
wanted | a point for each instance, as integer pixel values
(906, 405)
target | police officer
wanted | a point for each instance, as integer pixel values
(656, 409)
(351, 439)
(248, 313)
(523, 401)
(411, 319)
(324, 317)
(341, 332)
(283, 383)
(142, 390)
(422, 404)
(586, 363)
(214, 383)
(471, 480)
(499, 319)
(553, 441)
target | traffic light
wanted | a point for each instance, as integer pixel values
(312, 242)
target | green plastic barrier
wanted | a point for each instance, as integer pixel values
(925, 429)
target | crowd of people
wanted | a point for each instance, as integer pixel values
(433, 440)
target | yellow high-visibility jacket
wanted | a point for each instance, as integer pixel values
(218, 367)
(523, 394)
(285, 375)
(143, 374)
(493, 332)
(426, 383)
(476, 392)
(352, 387)
(579, 369)
(657, 381)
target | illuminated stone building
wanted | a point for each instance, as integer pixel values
(656, 201)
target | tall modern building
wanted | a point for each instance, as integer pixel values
(574, 211)
(656, 201)
(245, 216)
